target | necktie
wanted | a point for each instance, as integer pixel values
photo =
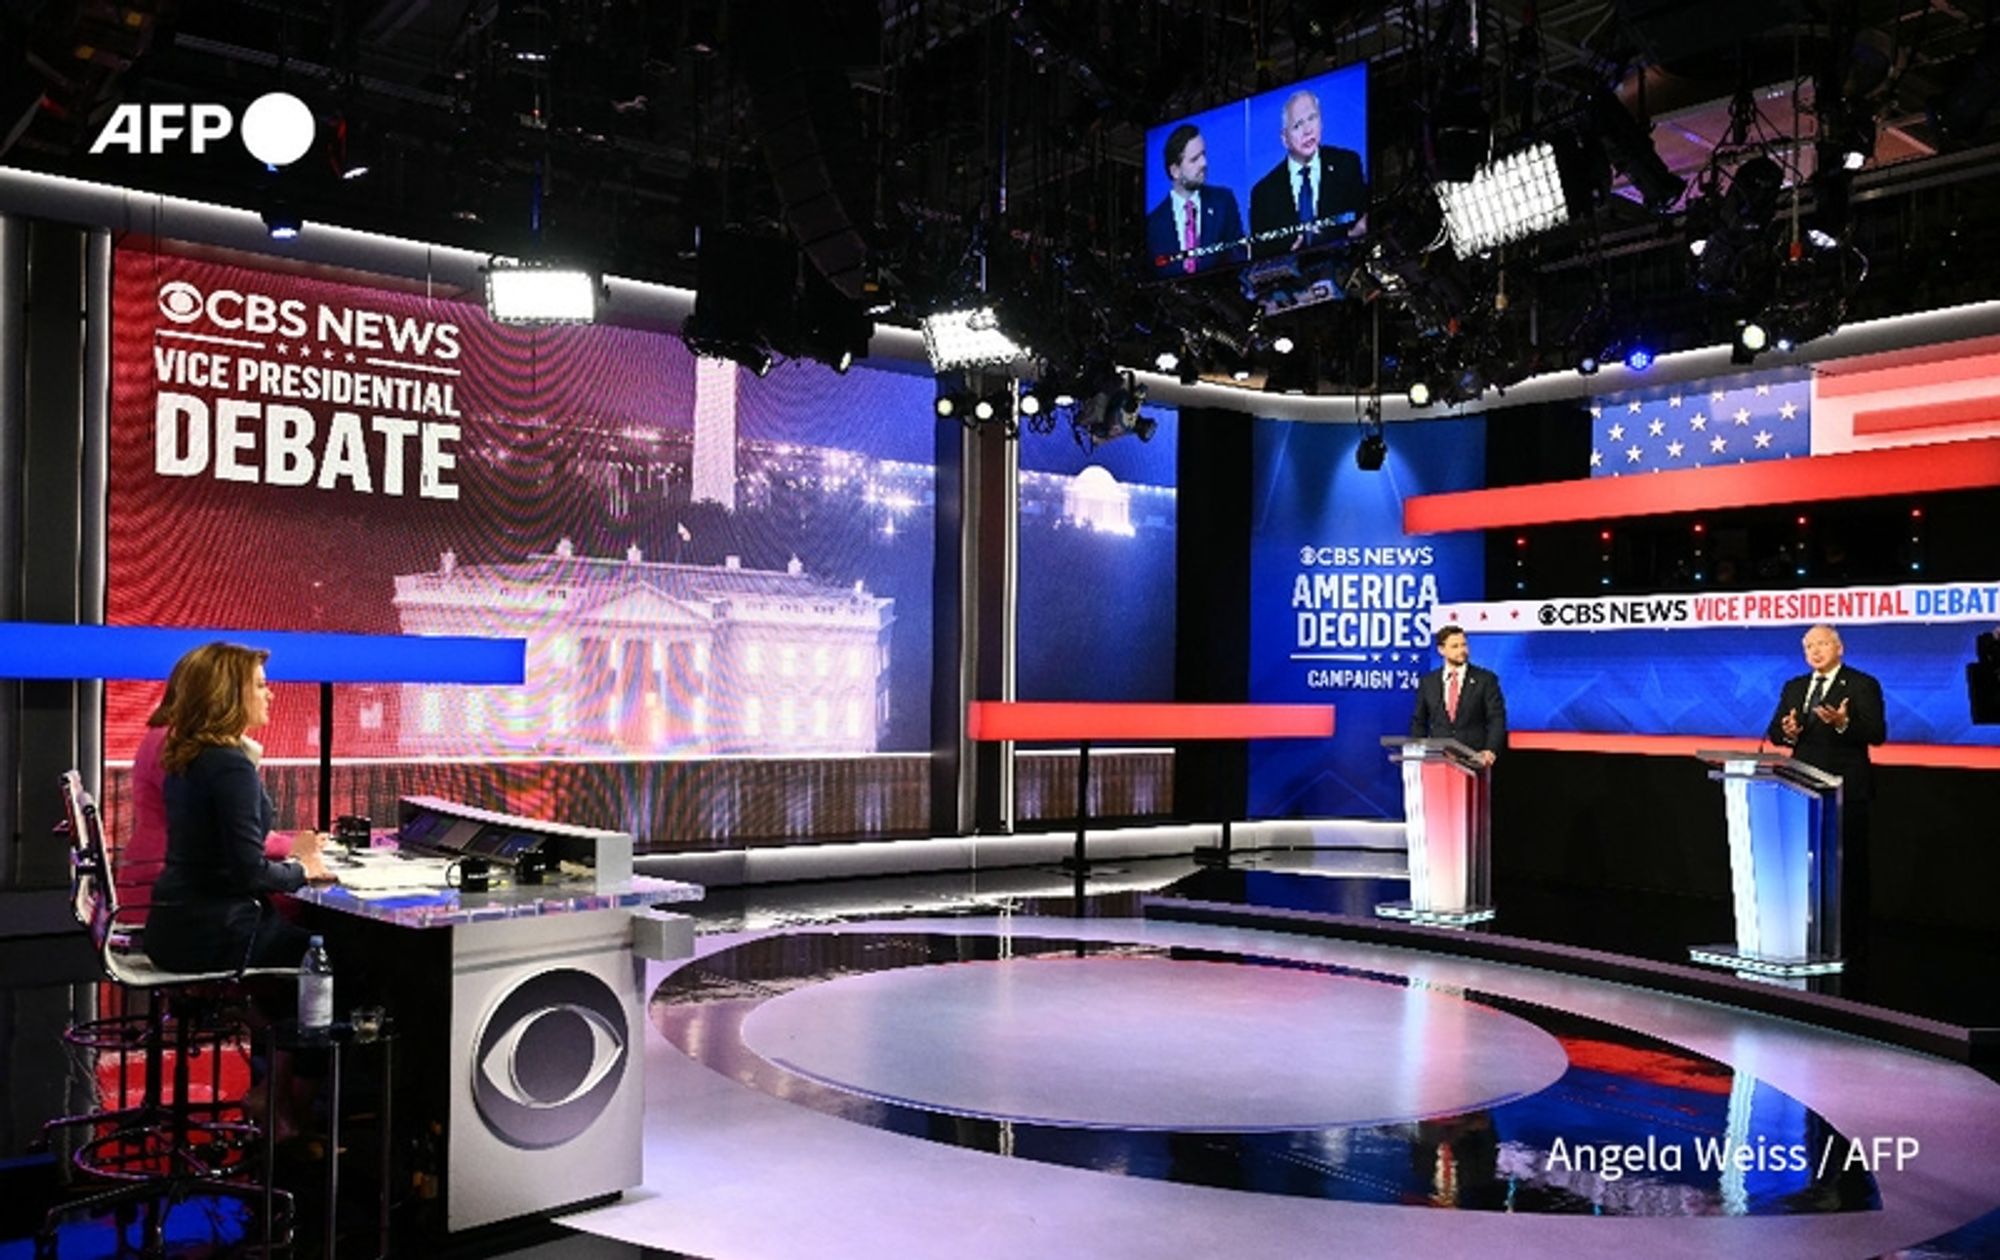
(1190, 238)
(1451, 696)
(1306, 214)
(1817, 694)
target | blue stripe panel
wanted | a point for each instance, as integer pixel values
(148, 653)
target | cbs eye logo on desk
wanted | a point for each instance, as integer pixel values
(549, 1059)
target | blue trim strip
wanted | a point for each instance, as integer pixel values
(38, 650)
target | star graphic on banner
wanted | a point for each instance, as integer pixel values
(305, 352)
(1763, 438)
(1656, 428)
(1718, 444)
(350, 356)
(1597, 459)
(1596, 412)
(1674, 450)
(1788, 411)
(327, 354)
(1715, 396)
(1698, 422)
(1616, 432)
(1633, 454)
(1743, 415)
(1633, 406)
(282, 348)
(1763, 391)
(1674, 400)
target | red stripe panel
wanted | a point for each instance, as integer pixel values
(1942, 756)
(1886, 375)
(1944, 415)
(1938, 466)
(1034, 719)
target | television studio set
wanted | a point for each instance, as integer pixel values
(780, 631)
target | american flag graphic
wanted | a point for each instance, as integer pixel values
(1700, 424)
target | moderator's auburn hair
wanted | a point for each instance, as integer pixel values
(205, 708)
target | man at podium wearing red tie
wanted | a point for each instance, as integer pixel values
(1829, 717)
(1461, 701)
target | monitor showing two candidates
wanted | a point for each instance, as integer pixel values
(1296, 155)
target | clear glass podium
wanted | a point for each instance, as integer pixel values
(1446, 798)
(1784, 865)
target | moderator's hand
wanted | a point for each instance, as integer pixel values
(308, 844)
(1486, 756)
(1789, 724)
(1833, 715)
(316, 871)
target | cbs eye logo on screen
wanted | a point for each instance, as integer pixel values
(278, 128)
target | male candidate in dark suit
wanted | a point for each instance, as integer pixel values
(1829, 718)
(1192, 214)
(1461, 701)
(1311, 184)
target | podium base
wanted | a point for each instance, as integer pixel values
(1408, 913)
(1758, 965)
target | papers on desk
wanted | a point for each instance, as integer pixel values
(390, 875)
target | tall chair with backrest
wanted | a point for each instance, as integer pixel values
(167, 1146)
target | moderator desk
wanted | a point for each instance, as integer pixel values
(521, 1022)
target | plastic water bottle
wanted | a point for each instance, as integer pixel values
(315, 987)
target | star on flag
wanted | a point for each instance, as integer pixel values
(1667, 427)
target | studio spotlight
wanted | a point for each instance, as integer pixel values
(1420, 393)
(522, 293)
(1369, 455)
(1587, 365)
(1857, 144)
(946, 407)
(1282, 344)
(1508, 200)
(1630, 148)
(983, 410)
(1031, 401)
(283, 223)
(1167, 360)
(1751, 340)
(1638, 358)
(969, 337)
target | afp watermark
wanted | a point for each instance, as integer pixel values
(278, 128)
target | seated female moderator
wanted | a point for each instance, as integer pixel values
(211, 905)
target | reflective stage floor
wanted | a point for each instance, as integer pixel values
(978, 1065)
(1018, 1083)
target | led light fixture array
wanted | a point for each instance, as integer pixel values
(1507, 200)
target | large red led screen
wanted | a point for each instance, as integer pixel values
(702, 562)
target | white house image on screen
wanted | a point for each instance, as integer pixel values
(634, 657)
(1093, 499)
